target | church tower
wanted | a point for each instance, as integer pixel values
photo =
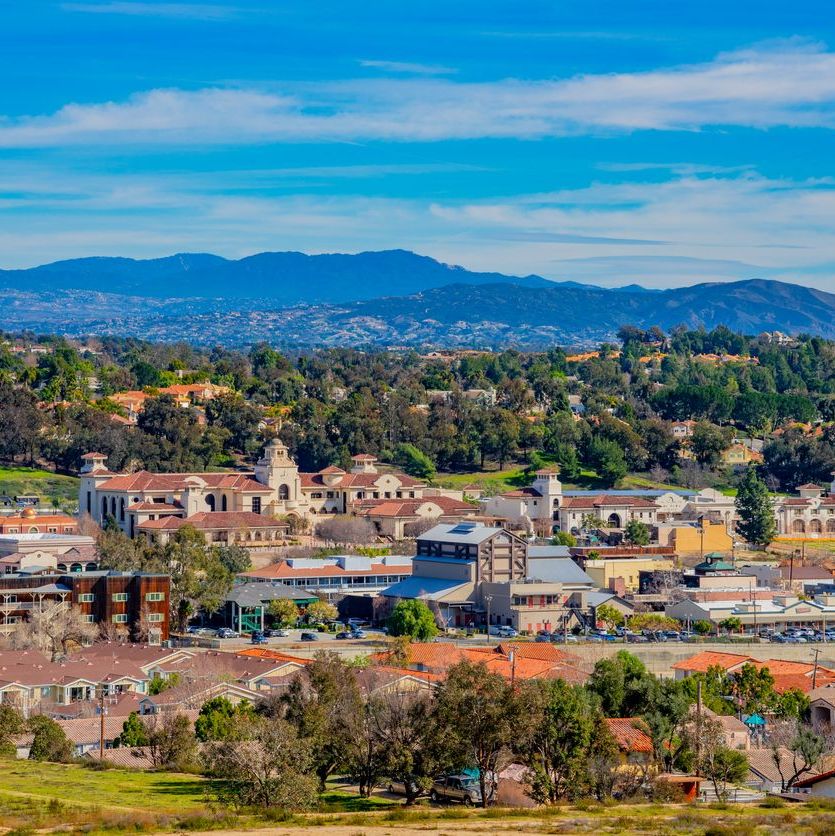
(547, 482)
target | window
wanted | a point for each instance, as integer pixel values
(155, 616)
(120, 618)
(45, 691)
(283, 492)
(86, 598)
(90, 619)
(256, 504)
(154, 596)
(120, 597)
(52, 529)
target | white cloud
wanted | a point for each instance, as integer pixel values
(787, 83)
(194, 11)
(408, 68)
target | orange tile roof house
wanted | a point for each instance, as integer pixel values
(630, 734)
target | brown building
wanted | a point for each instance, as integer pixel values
(137, 603)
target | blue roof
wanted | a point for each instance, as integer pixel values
(631, 492)
(428, 589)
(753, 720)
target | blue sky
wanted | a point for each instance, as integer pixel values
(607, 142)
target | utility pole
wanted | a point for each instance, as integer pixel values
(101, 723)
(488, 599)
(512, 669)
(816, 651)
(698, 726)
(754, 607)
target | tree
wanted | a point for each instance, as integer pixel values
(54, 628)
(796, 750)
(637, 533)
(414, 461)
(133, 733)
(346, 529)
(414, 619)
(754, 510)
(622, 684)
(367, 756)
(609, 615)
(731, 624)
(263, 763)
(708, 442)
(218, 718)
(49, 742)
(476, 713)
(563, 538)
(703, 627)
(11, 725)
(235, 559)
(652, 621)
(752, 687)
(559, 726)
(608, 460)
(410, 733)
(320, 611)
(171, 741)
(712, 758)
(317, 703)
(284, 612)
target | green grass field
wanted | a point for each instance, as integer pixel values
(15, 481)
(72, 798)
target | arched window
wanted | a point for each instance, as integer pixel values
(113, 507)
(223, 503)
(210, 501)
(614, 520)
(122, 509)
(103, 508)
(283, 492)
(830, 526)
(798, 527)
(815, 526)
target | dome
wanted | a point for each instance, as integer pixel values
(28, 512)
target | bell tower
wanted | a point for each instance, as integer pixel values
(278, 471)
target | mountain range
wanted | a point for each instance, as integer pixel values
(377, 298)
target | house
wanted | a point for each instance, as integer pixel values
(47, 552)
(274, 488)
(633, 741)
(392, 518)
(818, 786)
(767, 776)
(135, 602)
(738, 455)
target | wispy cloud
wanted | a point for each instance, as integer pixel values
(195, 11)
(784, 84)
(679, 231)
(408, 68)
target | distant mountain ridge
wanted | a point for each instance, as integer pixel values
(377, 299)
(286, 278)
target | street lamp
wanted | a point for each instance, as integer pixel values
(487, 600)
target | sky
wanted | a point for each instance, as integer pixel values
(652, 142)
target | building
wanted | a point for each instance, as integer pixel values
(472, 574)
(811, 514)
(246, 606)
(617, 570)
(695, 537)
(274, 488)
(544, 507)
(137, 603)
(226, 528)
(29, 521)
(340, 574)
(393, 517)
(38, 552)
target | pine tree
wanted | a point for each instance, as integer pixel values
(753, 507)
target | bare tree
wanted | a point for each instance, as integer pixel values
(346, 529)
(54, 628)
(171, 741)
(797, 749)
(418, 527)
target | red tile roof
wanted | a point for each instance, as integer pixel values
(409, 507)
(629, 734)
(604, 500)
(708, 659)
(276, 571)
(211, 520)
(522, 492)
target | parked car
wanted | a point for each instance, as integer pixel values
(226, 633)
(399, 788)
(636, 638)
(358, 634)
(461, 788)
(257, 637)
(309, 637)
(280, 633)
(344, 635)
(545, 636)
